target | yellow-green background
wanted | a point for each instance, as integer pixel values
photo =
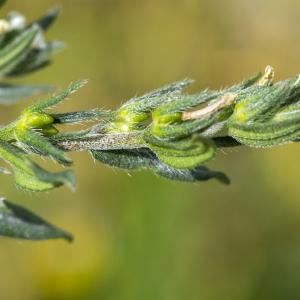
(140, 237)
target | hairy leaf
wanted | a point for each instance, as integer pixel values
(30, 176)
(18, 222)
(57, 98)
(80, 116)
(137, 159)
(40, 144)
(111, 141)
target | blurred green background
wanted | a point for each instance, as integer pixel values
(139, 236)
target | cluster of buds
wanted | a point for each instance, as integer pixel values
(30, 133)
(172, 133)
(175, 134)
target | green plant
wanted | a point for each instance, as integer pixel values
(167, 130)
(24, 49)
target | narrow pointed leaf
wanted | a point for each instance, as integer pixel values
(37, 58)
(49, 18)
(200, 173)
(40, 144)
(157, 97)
(29, 175)
(15, 51)
(57, 98)
(137, 159)
(79, 116)
(18, 222)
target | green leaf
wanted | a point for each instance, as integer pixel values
(153, 99)
(57, 98)
(37, 58)
(29, 175)
(49, 18)
(57, 179)
(18, 222)
(137, 159)
(11, 94)
(15, 51)
(186, 153)
(43, 180)
(40, 144)
(79, 116)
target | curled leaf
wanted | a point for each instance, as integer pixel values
(186, 153)
(29, 175)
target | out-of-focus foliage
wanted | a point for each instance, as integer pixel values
(23, 49)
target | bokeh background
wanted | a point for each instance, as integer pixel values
(139, 236)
